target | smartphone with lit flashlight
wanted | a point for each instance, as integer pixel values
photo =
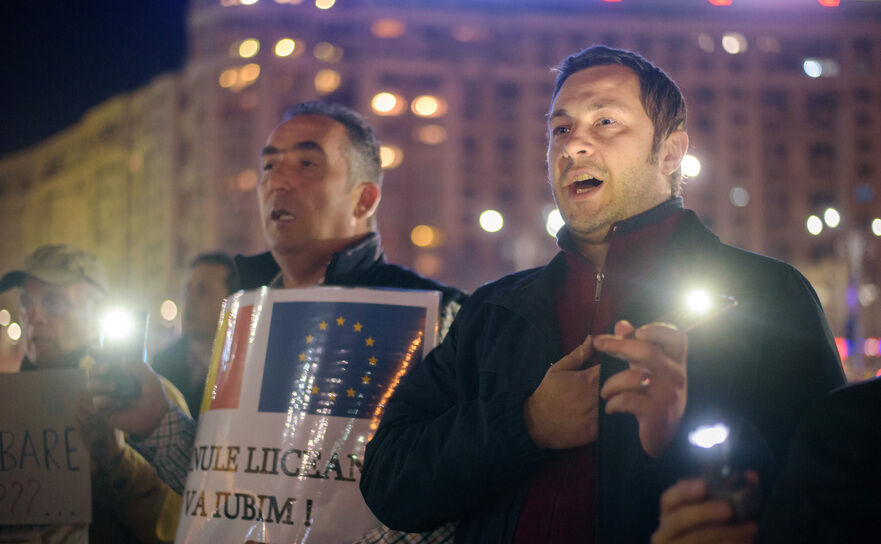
(699, 307)
(123, 338)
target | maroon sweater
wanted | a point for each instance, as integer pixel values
(560, 507)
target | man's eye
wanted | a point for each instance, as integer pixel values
(267, 166)
(306, 163)
(562, 129)
(605, 122)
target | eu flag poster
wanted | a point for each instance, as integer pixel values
(298, 382)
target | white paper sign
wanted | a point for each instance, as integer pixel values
(44, 466)
(298, 382)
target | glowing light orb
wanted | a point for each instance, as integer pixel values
(285, 46)
(709, 435)
(117, 324)
(168, 310)
(491, 221)
(698, 301)
(831, 217)
(14, 332)
(248, 48)
(691, 166)
(554, 222)
(5, 318)
(815, 225)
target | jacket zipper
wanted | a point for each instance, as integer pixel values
(600, 277)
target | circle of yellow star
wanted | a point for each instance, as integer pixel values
(357, 327)
(303, 356)
(340, 321)
(332, 396)
(350, 392)
(315, 390)
(372, 361)
(365, 379)
(309, 338)
(323, 325)
(369, 341)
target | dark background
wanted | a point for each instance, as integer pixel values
(60, 58)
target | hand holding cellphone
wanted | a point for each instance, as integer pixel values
(123, 338)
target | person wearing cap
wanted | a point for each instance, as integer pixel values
(62, 290)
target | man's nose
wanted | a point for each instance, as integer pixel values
(579, 142)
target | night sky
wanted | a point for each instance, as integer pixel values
(61, 58)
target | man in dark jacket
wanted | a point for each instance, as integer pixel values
(185, 362)
(557, 408)
(318, 195)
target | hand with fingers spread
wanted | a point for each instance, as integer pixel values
(688, 515)
(135, 415)
(654, 388)
(562, 412)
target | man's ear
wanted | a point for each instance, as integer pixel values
(672, 151)
(369, 196)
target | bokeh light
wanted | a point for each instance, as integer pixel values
(246, 180)
(327, 81)
(876, 226)
(739, 197)
(734, 43)
(831, 217)
(431, 134)
(491, 221)
(168, 310)
(691, 166)
(554, 222)
(14, 331)
(228, 78)
(812, 68)
(428, 106)
(117, 324)
(390, 156)
(285, 47)
(698, 301)
(327, 52)
(324, 4)
(815, 225)
(249, 73)
(5, 317)
(248, 48)
(387, 28)
(387, 103)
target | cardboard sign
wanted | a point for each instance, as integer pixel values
(44, 466)
(298, 382)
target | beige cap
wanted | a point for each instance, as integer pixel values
(59, 264)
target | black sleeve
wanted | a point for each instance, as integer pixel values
(443, 449)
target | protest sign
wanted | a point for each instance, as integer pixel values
(44, 466)
(297, 385)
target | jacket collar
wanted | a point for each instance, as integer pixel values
(689, 259)
(348, 264)
(638, 221)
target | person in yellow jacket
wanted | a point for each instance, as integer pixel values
(61, 293)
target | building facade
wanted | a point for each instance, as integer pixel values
(785, 120)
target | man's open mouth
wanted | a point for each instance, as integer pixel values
(584, 183)
(281, 215)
